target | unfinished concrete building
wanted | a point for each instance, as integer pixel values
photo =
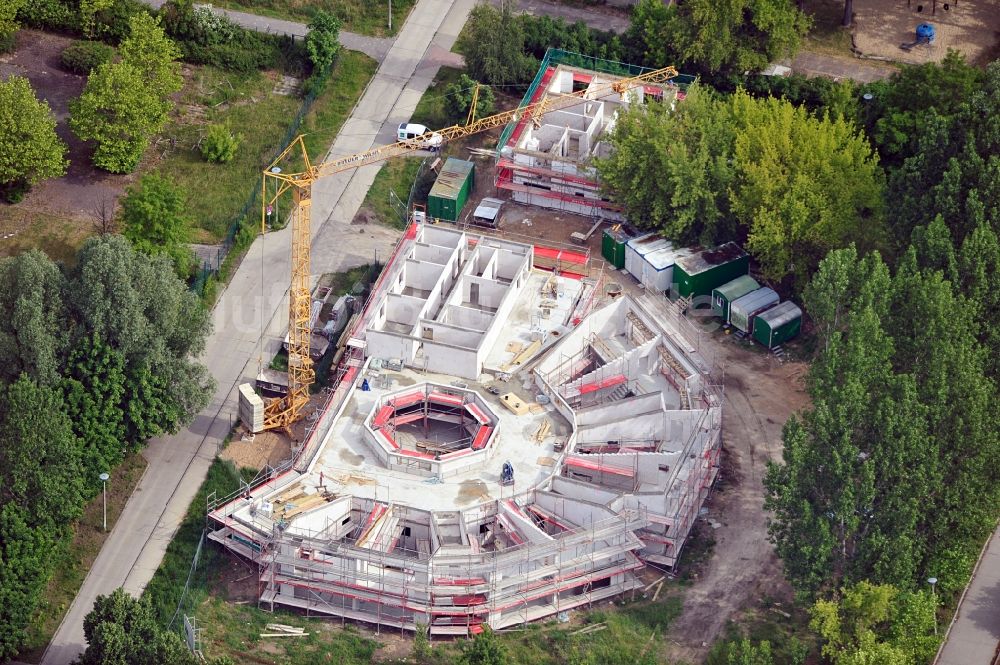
(548, 161)
(485, 461)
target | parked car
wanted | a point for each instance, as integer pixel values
(419, 136)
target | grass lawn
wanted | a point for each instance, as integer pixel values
(396, 176)
(77, 556)
(217, 192)
(58, 236)
(784, 625)
(367, 17)
(431, 109)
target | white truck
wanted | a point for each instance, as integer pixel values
(419, 136)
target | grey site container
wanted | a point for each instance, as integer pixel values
(742, 310)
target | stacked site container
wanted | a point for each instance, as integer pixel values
(777, 325)
(658, 267)
(613, 245)
(744, 309)
(638, 247)
(698, 274)
(451, 190)
(730, 291)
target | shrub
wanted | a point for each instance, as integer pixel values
(458, 99)
(220, 144)
(84, 56)
(112, 24)
(8, 42)
(51, 14)
(13, 192)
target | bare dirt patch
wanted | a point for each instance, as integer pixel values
(265, 449)
(760, 394)
(77, 194)
(969, 26)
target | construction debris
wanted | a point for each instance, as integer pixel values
(593, 628)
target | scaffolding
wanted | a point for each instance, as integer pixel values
(369, 575)
(622, 489)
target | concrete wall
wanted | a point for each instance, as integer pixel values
(421, 275)
(382, 344)
(632, 407)
(403, 309)
(466, 317)
(432, 253)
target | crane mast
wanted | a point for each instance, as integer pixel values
(281, 413)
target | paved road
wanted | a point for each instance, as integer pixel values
(375, 47)
(974, 637)
(178, 464)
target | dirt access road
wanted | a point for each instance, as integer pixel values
(760, 394)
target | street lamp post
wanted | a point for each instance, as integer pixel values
(933, 582)
(104, 481)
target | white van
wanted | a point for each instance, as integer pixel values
(420, 135)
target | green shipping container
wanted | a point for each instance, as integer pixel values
(613, 246)
(778, 324)
(451, 190)
(698, 274)
(730, 291)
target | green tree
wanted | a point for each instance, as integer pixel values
(8, 18)
(493, 45)
(153, 54)
(40, 459)
(121, 630)
(323, 41)
(804, 185)
(88, 10)
(645, 39)
(458, 99)
(40, 494)
(484, 649)
(732, 36)
(792, 184)
(94, 391)
(745, 652)
(888, 477)
(138, 306)
(941, 352)
(688, 154)
(25, 563)
(31, 318)
(120, 112)
(979, 279)
(30, 150)
(154, 219)
(871, 623)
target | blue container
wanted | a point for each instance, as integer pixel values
(925, 33)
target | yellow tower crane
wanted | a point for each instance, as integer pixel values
(281, 413)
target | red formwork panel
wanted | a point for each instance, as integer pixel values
(478, 414)
(407, 400)
(482, 436)
(609, 382)
(597, 466)
(382, 417)
(443, 398)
